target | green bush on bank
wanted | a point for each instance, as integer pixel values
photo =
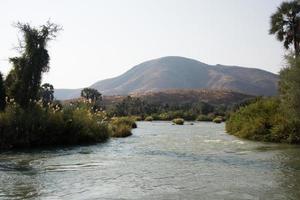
(137, 118)
(121, 130)
(205, 118)
(263, 121)
(178, 121)
(129, 121)
(122, 126)
(149, 118)
(218, 120)
(37, 126)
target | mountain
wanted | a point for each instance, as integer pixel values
(174, 72)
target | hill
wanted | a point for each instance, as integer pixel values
(183, 73)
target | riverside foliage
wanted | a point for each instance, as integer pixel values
(277, 119)
(272, 119)
(28, 115)
(47, 126)
(121, 127)
(134, 106)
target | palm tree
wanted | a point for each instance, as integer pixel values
(285, 24)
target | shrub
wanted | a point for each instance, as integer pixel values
(124, 120)
(164, 117)
(137, 118)
(204, 118)
(121, 130)
(189, 116)
(121, 127)
(218, 120)
(149, 118)
(264, 121)
(178, 121)
(37, 126)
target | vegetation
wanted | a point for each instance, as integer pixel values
(276, 119)
(149, 119)
(46, 93)
(29, 116)
(39, 126)
(2, 94)
(137, 118)
(121, 131)
(24, 80)
(285, 24)
(121, 127)
(218, 120)
(134, 106)
(205, 118)
(264, 121)
(178, 121)
(130, 121)
(91, 94)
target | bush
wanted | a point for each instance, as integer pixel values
(264, 121)
(149, 118)
(164, 117)
(204, 118)
(218, 120)
(129, 121)
(137, 118)
(121, 130)
(37, 126)
(121, 127)
(178, 121)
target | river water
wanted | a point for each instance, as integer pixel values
(160, 161)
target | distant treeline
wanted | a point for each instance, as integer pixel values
(202, 111)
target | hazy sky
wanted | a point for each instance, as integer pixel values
(104, 38)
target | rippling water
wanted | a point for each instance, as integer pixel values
(160, 161)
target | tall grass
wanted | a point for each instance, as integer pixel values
(122, 126)
(38, 126)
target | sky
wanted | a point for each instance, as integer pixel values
(105, 38)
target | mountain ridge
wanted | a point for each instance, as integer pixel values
(175, 72)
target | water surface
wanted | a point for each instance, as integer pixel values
(160, 161)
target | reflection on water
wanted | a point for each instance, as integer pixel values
(160, 161)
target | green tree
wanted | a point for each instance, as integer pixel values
(2, 93)
(25, 77)
(285, 24)
(91, 94)
(46, 93)
(289, 86)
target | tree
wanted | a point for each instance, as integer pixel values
(285, 24)
(46, 93)
(2, 93)
(289, 86)
(91, 94)
(24, 80)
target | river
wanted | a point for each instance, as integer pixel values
(159, 161)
